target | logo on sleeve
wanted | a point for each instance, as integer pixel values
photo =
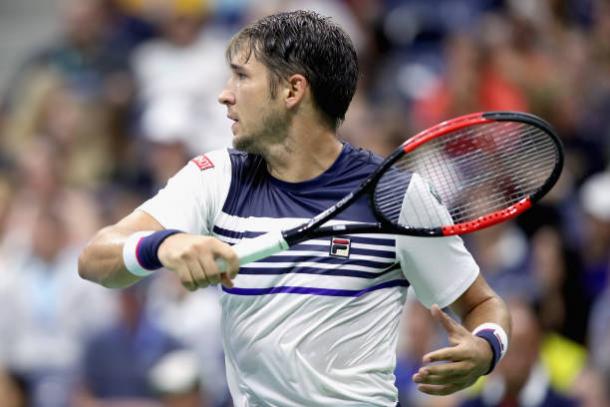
(203, 162)
(339, 247)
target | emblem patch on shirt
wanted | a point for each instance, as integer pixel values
(339, 247)
(203, 162)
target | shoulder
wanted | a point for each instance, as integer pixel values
(358, 161)
(246, 165)
(362, 156)
(212, 161)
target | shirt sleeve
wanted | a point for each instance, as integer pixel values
(440, 269)
(194, 196)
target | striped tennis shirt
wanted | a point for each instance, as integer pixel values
(316, 325)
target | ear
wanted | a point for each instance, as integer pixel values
(296, 88)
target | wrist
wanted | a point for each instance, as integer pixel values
(497, 339)
(140, 251)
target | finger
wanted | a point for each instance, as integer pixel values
(226, 281)
(186, 278)
(456, 375)
(451, 326)
(450, 369)
(211, 270)
(439, 389)
(198, 273)
(450, 354)
(226, 253)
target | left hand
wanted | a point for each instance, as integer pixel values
(462, 363)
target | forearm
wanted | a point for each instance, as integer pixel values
(102, 259)
(491, 309)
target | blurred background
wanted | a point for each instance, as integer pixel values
(102, 100)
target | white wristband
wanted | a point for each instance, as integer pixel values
(130, 257)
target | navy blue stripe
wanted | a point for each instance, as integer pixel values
(327, 260)
(234, 234)
(372, 240)
(314, 290)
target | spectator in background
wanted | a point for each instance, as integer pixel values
(118, 361)
(174, 73)
(521, 379)
(176, 380)
(595, 196)
(167, 128)
(595, 201)
(194, 319)
(84, 55)
(77, 129)
(45, 313)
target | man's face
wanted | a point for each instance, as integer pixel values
(259, 120)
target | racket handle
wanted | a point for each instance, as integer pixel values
(250, 250)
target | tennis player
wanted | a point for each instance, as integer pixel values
(315, 325)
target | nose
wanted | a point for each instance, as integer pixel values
(226, 97)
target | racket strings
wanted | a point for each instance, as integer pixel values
(473, 171)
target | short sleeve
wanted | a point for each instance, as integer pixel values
(440, 269)
(194, 196)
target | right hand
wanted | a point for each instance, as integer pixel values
(193, 259)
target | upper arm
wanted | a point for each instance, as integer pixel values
(440, 269)
(193, 197)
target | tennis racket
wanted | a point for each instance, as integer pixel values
(457, 177)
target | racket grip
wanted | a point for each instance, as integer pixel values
(250, 250)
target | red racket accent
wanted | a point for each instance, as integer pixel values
(443, 128)
(488, 220)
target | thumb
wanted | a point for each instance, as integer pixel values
(448, 324)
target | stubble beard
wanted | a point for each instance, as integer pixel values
(273, 130)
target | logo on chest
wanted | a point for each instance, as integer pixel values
(340, 247)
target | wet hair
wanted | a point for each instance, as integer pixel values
(306, 43)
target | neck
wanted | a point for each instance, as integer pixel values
(304, 154)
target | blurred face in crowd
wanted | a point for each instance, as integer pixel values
(259, 118)
(84, 20)
(49, 236)
(182, 29)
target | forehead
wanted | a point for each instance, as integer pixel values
(244, 58)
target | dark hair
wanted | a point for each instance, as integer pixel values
(307, 43)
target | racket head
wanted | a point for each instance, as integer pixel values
(466, 174)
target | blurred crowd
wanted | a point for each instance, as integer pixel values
(98, 118)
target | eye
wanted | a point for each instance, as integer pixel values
(240, 75)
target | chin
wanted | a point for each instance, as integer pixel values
(244, 144)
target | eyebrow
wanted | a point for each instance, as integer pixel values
(237, 68)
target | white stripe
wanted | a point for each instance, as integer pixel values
(352, 256)
(256, 224)
(312, 280)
